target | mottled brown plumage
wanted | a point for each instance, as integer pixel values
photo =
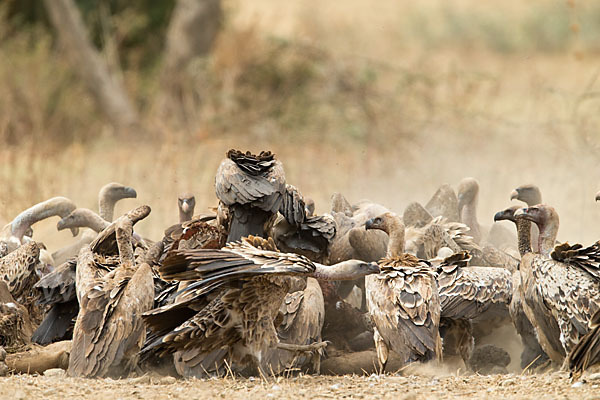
(17, 269)
(532, 351)
(302, 315)
(252, 187)
(560, 298)
(109, 331)
(403, 300)
(232, 304)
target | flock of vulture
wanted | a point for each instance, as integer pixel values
(262, 285)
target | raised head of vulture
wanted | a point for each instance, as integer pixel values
(528, 193)
(252, 187)
(109, 195)
(186, 203)
(598, 196)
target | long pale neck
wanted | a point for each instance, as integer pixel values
(524, 235)
(90, 219)
(396, 243)
(185, 216)
(468, 216)
(60, 206)
(547, 238)
(341, 271)
(106, 207)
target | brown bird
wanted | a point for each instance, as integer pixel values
(109, 195)
(403, 300)
(560, 286)
(531, 195)
(252, 187)
(229, 311)
(186, 204)
(532, 354)
(109, 331)
(302, 314)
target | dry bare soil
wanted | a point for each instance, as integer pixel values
(545, 386)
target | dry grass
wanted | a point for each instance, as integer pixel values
(351, 97)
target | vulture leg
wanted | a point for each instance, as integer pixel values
(382, 350)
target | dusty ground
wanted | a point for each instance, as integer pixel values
(545, 386)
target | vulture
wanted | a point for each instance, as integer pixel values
(560, 286)
(531, 195)
(109, 331)
(109, 195)
(416, 215)
(301, 316)
(83, 217)
(14, 232)
(58, 289)
(403, 300)
(532, 354)
(598, 196)
(444, 203)
(229, 310)
(186, 204)
(295, 231)
(470, 295)
(252, 188)
(15, 324)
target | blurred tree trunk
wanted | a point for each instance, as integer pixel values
(192, 32)
(108, 91)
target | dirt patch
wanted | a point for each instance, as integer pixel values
(57, 386)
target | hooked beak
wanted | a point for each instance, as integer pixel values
(499, 216)
(369, 224)
(514, 195)
(130, 193)
(185, 206)
(60, 225)
(373, 268)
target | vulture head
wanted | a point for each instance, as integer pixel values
(387, 222)
(529, 194)
(468, 189)
(507, 214)
(186, 203)
(542, 215)
(346, 270)
(115, 191)
(598, 196)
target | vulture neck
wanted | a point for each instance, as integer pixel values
(106, 206)
(342, 271)
(468, 216)
(60, 206)
(89, 219)
(547, 237)
(395, 231)
(524, 235)
(185, 216)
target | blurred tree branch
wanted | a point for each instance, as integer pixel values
(107, 90)
(192, 32)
